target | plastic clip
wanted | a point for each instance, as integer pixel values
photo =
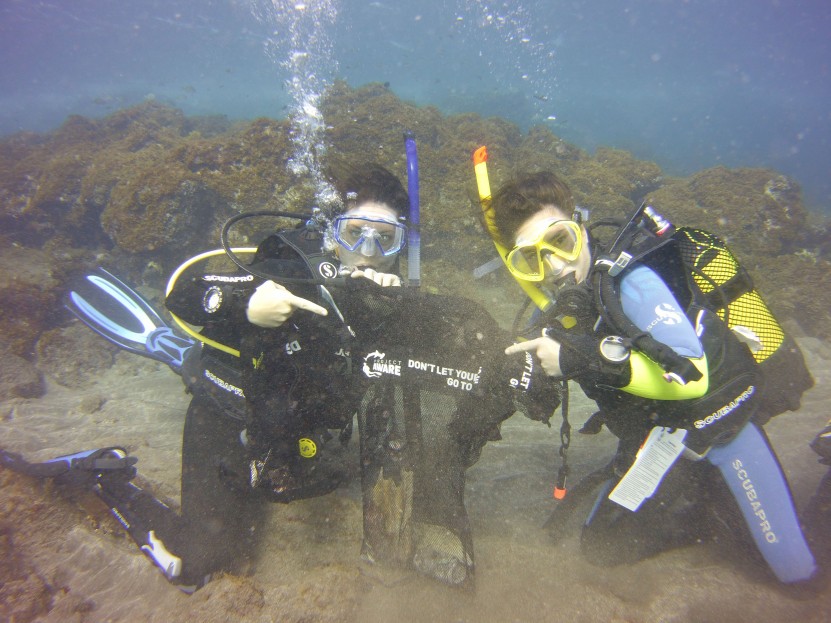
(620, 263)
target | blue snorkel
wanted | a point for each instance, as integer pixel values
(414, 234)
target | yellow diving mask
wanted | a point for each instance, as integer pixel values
(549, 248)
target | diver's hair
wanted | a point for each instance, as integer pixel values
(373, 183)
(521, 198)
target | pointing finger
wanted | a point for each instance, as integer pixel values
(301, 303)
(524, 347)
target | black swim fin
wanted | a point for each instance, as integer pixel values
(142, 515)
(108, 472)
(80, 468)
(118, 313)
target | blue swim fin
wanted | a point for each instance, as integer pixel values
(118, 313)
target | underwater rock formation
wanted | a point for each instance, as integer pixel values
(19, 378)
(754, 209)
(150, 186)
(31, 297)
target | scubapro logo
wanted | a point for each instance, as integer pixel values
(726, 409)
(668, 315)
(375, 365)
(754, 502)
(327, 270)
(233, 389)
(229, 278)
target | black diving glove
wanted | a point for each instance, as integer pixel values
(534, 394)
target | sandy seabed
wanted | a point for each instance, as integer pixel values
(65, 559)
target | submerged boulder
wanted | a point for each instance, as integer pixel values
(754, 209)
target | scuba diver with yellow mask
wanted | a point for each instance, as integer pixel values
(663, 329)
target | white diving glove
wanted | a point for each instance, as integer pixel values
(546, 350)
(271, 305)
(384, 280)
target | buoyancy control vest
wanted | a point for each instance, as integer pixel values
(292, 254)
(703, 272)
(719, 283)
(297, 376)
(761, 381)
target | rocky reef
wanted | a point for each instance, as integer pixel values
(141, 190)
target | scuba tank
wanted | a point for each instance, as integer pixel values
(719, 283)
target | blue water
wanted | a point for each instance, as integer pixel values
(686, 83)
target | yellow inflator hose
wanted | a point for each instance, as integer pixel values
(172, 282)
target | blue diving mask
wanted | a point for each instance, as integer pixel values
(369, 235)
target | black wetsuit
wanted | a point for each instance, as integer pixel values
(295, 378)
(244, 411)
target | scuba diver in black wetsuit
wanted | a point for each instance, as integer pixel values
(273, 390)
(292, 371)
(294, 364)
(663, 330)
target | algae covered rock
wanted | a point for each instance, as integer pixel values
(18, 377)
(159, 206)
(149, 186)
(30, 297)
(795, 286)
(753, 209)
